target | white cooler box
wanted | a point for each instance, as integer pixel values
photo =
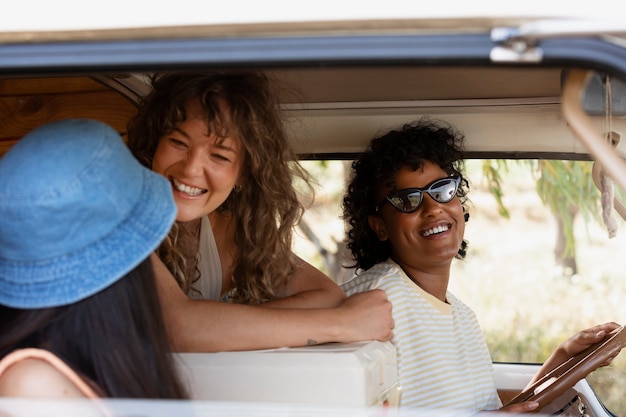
(354, 374)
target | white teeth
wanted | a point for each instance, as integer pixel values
(435, 230)
(192, 191)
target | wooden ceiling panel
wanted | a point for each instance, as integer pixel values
(26, 103)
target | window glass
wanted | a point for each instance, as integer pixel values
(526, 300)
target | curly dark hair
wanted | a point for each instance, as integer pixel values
(409, 146)
(267, 207)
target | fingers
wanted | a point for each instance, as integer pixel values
(608, 360)
(387, 323)
(597, 333)
(610, 326)
(387, 337)
(585, 338)
(370, 316)
(612, 356)
(602, 330)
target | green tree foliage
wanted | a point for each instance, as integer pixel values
(492, 173)
(566, 187)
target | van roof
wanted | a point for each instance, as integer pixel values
(36, 20)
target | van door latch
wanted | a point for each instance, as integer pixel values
(514, 48)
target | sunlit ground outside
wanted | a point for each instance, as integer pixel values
(524, 302)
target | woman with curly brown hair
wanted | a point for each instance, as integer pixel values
(218, 138)
(407, 206)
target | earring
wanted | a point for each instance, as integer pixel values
(463, 249)
(237, 188)
(466, 217)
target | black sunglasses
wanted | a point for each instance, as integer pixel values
(408, 200)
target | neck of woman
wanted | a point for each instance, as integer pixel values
(434, 282)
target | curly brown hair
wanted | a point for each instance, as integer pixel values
(266, 208)
(409, 146)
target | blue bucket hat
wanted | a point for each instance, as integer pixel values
(77, 212)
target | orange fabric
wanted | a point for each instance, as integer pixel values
(30, 353)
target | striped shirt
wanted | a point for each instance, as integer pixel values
(443, 359)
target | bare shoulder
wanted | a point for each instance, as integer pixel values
(34, 377)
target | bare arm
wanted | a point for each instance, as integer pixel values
(309, 288)
(210, 326)
(575, 344)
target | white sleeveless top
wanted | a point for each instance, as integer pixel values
(209, 286)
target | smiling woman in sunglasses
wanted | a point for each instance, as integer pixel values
(406, 207)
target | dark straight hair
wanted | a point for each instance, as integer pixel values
(115, 339)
